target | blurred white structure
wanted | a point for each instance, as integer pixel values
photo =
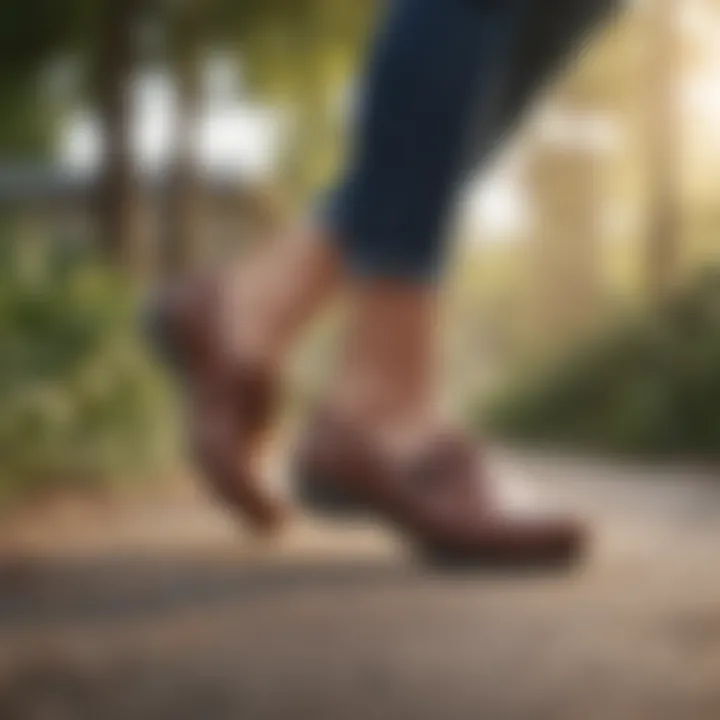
(235, 137)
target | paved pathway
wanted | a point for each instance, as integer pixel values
(163, 611)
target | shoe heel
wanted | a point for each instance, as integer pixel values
(325, 498)
(155, 330)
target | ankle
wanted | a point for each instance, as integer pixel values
(397, 427)
(273, 295)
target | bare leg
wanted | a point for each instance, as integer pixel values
(387, 380)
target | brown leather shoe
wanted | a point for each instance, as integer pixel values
(441, 501)
(232, 404)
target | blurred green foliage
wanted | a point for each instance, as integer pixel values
(649, 386)
(80, 402)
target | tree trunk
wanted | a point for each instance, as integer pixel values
(117, 186)
(182, 226)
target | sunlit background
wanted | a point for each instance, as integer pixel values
(145, 138)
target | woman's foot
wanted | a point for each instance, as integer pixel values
(231, 404)
(226, 338)
(379, 446)
(439, 496)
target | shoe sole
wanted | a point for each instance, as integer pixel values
(560, 559)
(325, 499)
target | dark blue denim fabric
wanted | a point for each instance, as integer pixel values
(446, 80)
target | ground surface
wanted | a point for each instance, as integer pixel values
(162, 610)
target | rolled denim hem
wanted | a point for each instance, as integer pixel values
(375, 255)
